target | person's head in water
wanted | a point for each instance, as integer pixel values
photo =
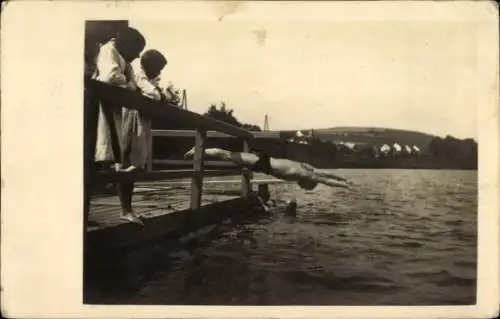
(130, 43)
(152, 63)
(307, 184)
(291, 208)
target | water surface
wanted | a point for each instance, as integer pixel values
(404, 237)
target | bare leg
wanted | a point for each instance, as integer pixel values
(239, 158)
(129, 127)
(126, 191)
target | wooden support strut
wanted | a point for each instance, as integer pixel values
(197, 179)
(158, 175)
(245, 178)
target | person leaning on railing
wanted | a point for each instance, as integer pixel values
(137, 126)
(113, 67)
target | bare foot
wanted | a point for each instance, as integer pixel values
(130, 168)
(189, 154)
(131, 217)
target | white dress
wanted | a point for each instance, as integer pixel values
(113, 69)
(137, 126)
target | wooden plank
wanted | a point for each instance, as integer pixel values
(190, 163)
(162, 224)
(245, 177)
(197, 181)
(106, 177)
(212, 134)
(170, 184)
(137, 101)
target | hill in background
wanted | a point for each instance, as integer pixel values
(372, 135)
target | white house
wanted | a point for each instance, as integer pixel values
(350, 145)
(385, 149)
(397, 148)
(408, 149)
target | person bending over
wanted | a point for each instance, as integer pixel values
(113, 67)
(306, 176)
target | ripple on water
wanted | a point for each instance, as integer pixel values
(406, 237)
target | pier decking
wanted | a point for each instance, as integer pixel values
(165, 209)
(149, 201)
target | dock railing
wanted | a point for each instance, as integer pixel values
(112, 99)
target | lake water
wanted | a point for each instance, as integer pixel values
(404, 237)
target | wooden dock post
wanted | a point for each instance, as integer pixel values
(198, 167)
(263, 192)
(245, 177)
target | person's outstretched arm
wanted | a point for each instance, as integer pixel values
(334, 183)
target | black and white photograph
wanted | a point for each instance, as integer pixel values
(280, 154)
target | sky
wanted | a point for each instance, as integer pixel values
(326, 71)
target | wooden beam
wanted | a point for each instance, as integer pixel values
(226, 181)
(245, 177)
(173, 224)
(198, 167)
(191, 163)
(212, 134)
(106, 177)
(134, 100)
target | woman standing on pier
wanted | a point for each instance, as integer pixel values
(137, 127)
(113, 67)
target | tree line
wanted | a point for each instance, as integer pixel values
(225, 114)
(455, 152)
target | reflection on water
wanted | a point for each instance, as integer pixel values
(403, 237)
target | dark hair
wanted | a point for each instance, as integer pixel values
(152, 62)
(130, 43)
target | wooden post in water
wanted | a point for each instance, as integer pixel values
(198, 167)
(263, 192)
(245, 178)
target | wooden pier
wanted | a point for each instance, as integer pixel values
(166, 209)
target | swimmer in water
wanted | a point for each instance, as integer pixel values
(291, 208)
(307, 176)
